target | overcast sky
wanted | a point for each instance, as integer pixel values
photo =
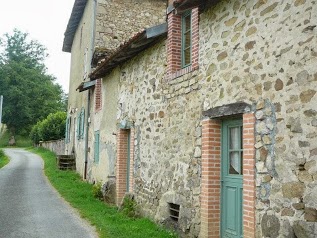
(45, 21)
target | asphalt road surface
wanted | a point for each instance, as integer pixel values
(30, 207)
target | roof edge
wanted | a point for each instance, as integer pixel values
(72, 25)
(135, 44)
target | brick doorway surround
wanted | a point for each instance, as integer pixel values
(121, 163)
(211, 176)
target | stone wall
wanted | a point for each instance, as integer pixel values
(167, 138)
(119, 20)
(260, 52)
(57, 146)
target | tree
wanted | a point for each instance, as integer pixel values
(51, 128)
(30, 94)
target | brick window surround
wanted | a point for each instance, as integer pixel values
(98, 95)
(174, 44)
(121, 163)
(211, 177)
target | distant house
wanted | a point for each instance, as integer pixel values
(208, 119)
(92, 33)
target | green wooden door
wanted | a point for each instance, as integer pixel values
(128, 161)
(232, 179)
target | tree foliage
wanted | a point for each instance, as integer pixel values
(30, 94)
(51, 128)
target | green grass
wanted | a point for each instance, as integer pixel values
(3, 159)
(21, 141)
(107, 220)
(4, 139)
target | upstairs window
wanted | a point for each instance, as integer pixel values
(98, 95)
(182, 43)
(186, 39)
(86, 64)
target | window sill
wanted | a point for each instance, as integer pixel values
(181, 72)
(97, 110)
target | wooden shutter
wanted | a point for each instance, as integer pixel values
(82, 123)
(78, 126)
(96, 149)
(67, 130)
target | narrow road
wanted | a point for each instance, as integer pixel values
(30, 207)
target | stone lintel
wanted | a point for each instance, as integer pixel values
(184, 5)
(228, 110)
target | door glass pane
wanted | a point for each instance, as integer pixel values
(234, 163)
(235, 150)
(235, 138)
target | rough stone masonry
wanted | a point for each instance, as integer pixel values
(260, 52)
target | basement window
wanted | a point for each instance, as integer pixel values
(174, 211)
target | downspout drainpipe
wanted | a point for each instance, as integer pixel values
(87, 133)
(89, 94)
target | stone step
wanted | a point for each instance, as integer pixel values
(66, 162)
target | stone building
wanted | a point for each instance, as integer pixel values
(93, 33)
(210, 119)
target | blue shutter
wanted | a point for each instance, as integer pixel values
(82, 123)
(67, 130)
(96, 147)
(78, 126)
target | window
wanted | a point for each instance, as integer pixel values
(96, 147)
(81, 124)
(182, 43)
(174, 211)
(86, 64)
(81, 36)
(98, 95)
(186, 39)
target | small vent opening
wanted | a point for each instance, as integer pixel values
(174, 211)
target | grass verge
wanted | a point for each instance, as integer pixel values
(21, 141)
(3, 159)
(108, 221)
